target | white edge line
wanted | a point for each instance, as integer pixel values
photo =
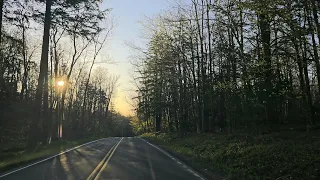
(176, 160)
(1, 176)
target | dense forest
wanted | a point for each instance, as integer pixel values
(222, 88)
(231, 66)
(55, 87)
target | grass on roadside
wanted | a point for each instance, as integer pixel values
(281, 156)
(9, 160)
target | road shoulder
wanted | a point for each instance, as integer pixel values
(188, 161)
(29, 159)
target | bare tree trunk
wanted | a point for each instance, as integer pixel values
(85, 100)
(86, 91)
(314, 44)
(47, 123)
(199, 70)
(25, 65)
(308, 91)
(315, 17)
(34, 130)
(265, 37)
(1, 15)
(51, 98)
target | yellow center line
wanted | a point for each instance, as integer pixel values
(91, 176)
(106, 163)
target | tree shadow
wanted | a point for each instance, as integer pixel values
(137, 160)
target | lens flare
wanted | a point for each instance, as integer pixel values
(60, 83)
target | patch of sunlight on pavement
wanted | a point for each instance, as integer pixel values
(64, 163)
(131, 144)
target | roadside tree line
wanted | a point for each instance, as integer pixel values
(52, 88)
(231, 66)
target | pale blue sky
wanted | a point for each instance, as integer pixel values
(127, 14)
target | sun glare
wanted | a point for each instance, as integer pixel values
(60, 83)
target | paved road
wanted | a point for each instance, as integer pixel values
(111, 158)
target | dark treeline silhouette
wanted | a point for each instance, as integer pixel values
(231, 66)
(49, 89)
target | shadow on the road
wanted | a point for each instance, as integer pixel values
(137, 160)
(76, 164)
(72, 165)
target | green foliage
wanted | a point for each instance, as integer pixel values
(286, 155)
(232, 66)
(80, 17)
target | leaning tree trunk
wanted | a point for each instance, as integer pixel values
(85, 99)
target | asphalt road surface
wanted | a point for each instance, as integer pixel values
(110, 158)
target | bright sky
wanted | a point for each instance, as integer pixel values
(127, 14)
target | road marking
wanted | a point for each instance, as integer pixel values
(106, 163)
(1, 176)
(94, 172)
(176, 160)
(150, 164)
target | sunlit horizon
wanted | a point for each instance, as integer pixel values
(127, 16)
